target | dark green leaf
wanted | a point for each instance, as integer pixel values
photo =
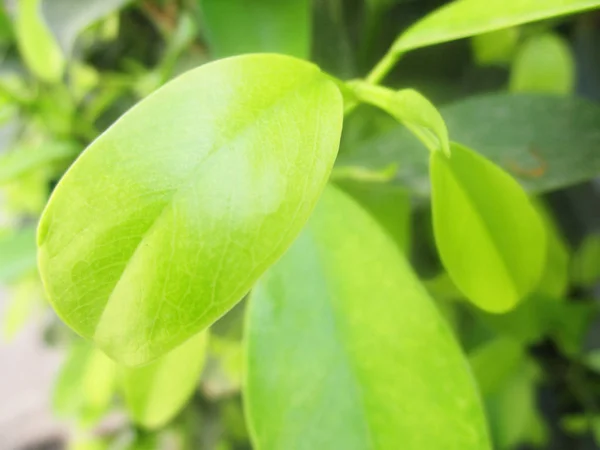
(546, 142)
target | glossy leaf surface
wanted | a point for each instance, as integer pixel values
(464, 18)
(239, 26)
(156, 392)
(531, 136)
(186, 200)
(345, 349)
(490, 238)
(543, 64)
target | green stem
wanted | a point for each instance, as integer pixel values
(383, 67)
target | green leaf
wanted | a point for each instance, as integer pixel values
(544, 63)
(156, 392)
(410, 108)
(345, 349)
(554, 281)
(585, 266)
(490, 238)
(389, 204)
(531, 136)
(464, 18)
(26, 298)
(17, 254)
(22, 160)
(68, 18)
(85, 385)
(36, 43)
(496, 47)
(494, 362)
(234, 27)
(186, 200)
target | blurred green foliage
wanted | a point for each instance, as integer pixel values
(524, 96)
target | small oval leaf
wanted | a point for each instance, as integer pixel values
(156, 392)
(544, 64)
(171, 215)
(345, 349)
(490, 238)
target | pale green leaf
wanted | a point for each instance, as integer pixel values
(25, 300)
(585, 266)
(345, 349)
(234, 27)
(464, 18)
(185, 201)
(68, 18)
(544, 63)
(411, 109)
(85, 385)
(37, 44)
(490, 238)
(388, 203)
(532, 136)
(156, 392)
(21, 160)
(17, 254)
(495, 47)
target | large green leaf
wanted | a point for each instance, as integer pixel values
(546, 142)
(464, 18)
(239, 26)
(490, 237)
(346, 350)
(170, 216)
(37, 45)
(17, 254)
(156, 392)
(543, 64)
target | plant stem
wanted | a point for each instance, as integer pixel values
(383, 67)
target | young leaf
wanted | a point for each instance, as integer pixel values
(464, 18)
(489, 236)
(411, 109)
(17, 254)
(544, 63)
(494, 362)
(85, 385)
(495, 47)
(345, 349)
(155, 393)
(36, 43)
(238, 26)
(532, 136)
(186, 200)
